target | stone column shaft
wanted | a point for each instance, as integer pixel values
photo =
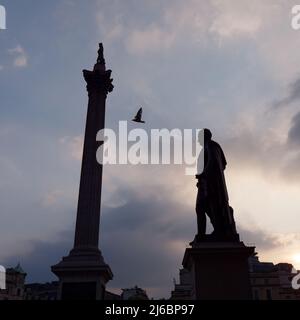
(89, 201)
(99, 84)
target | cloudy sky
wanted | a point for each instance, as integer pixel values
(232, 66)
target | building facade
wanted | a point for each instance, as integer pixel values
(269, 281)
(15, 284)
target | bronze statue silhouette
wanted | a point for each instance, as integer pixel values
(212, 197)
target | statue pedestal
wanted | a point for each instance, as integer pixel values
(219, 270)
(83, 275)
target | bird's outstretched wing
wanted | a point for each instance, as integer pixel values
(139, 114)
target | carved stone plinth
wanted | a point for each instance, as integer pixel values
(219, 271)
(83, 276)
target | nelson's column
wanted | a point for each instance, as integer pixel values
(83, 274)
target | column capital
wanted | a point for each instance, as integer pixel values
(98, 81)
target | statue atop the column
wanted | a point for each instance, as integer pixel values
(212, 198)
(99, 78)
(101, 59)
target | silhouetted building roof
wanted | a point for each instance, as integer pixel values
(256, 266)
(41, 291)
(19, 269)
(15, 280)
(135, 293)
(271, 281)
(111, 296)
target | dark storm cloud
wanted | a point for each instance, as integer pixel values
(255, 151)
(167, 217)
(244, 148)
(261, 239)
(294, 132)
(290, 169)
(281, 159)
(42, 256)
(258, 149)
(143, 242)
(292, 96)
(138, 239)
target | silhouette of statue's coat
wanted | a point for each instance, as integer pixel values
(212, 198)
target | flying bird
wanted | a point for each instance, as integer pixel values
(138, 117)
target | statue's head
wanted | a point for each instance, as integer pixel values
(207, 134)
(204, 135)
